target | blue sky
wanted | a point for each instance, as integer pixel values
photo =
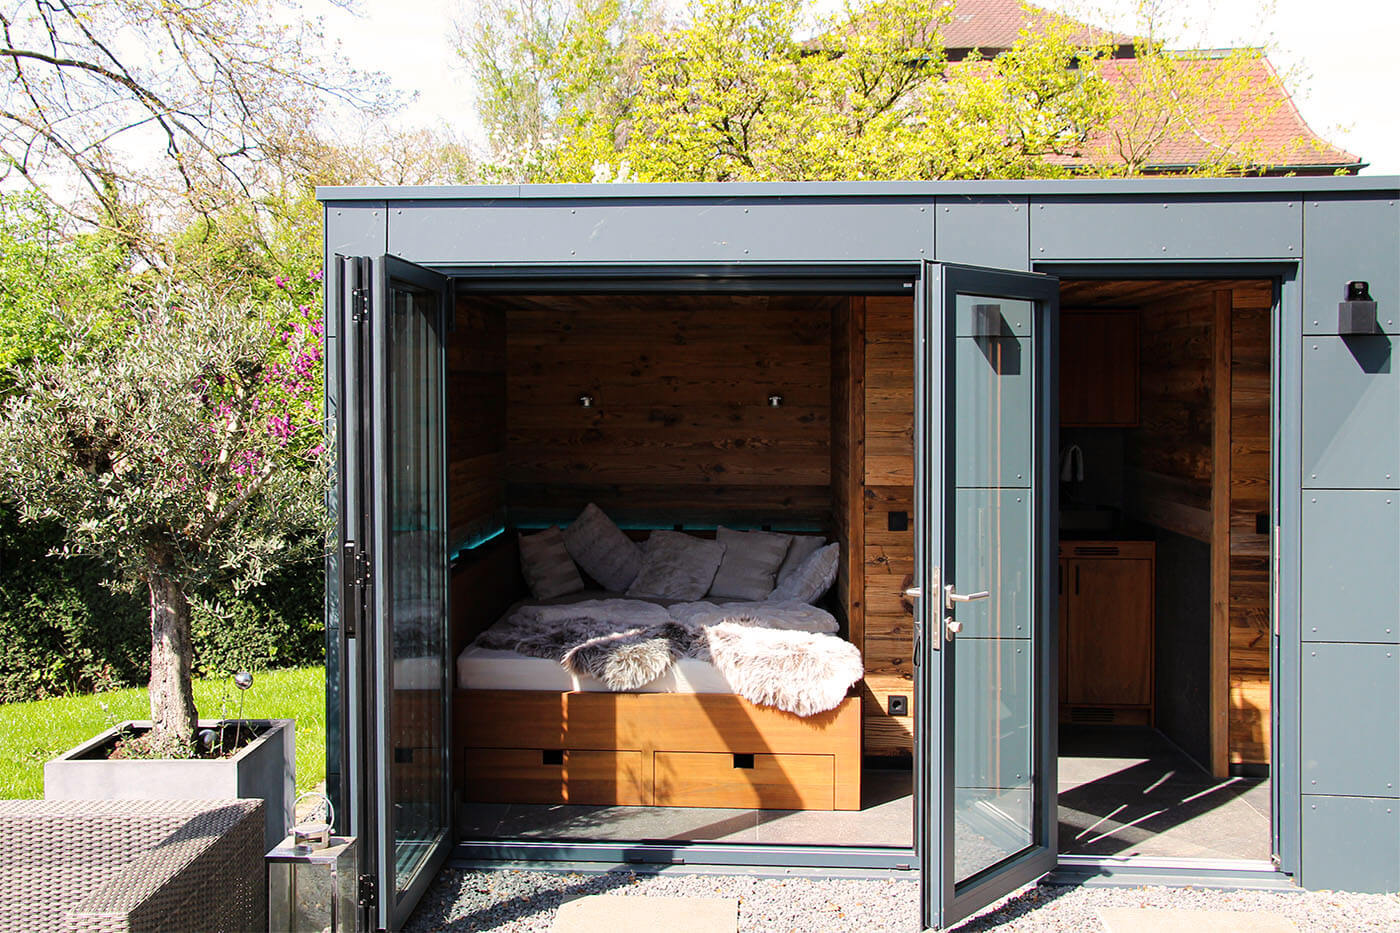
(1349, 91)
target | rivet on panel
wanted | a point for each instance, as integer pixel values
(947, 210)
(399, 211)
(1042, 249)
(1290, 203)
(922, 210)
(1315, 204)
(1314, 476)
(1164, 249)
(1314, 346)
(573, 210)
(746, 252)
(1314, 323)
(746, 210)
(1290, 247)
(572, 252)
(1314, 628)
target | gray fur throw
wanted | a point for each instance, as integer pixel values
(627, 644)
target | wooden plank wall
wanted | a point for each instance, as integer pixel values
(1168, 458)
(476, 423)
(680, 429)
(1208, 480)
(1250, 436)
(848, 459)
(889, 555)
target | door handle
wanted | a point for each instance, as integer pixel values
(952, 598)
(914, 592)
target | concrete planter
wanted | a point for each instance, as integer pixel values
(264, 768)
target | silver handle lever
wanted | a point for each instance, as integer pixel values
(950, 598)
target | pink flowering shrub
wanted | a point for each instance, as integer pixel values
(191, 450)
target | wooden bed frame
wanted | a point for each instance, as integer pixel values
(655, 749)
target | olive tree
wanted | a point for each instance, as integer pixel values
(186, 448)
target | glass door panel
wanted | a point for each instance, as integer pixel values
(411, 619)
(989, 743)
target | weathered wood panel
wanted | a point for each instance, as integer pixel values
(680, 385)
(475, 351)
(848, 459)
(1251, 349)
(889, 555)
(1169, 456)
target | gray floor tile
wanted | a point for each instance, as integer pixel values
(1131, 792)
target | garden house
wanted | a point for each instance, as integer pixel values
(974, 530)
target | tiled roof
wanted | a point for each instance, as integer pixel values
(1279, 137)
(995, 25)
(1253, 116)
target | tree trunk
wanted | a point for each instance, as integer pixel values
(172, 694)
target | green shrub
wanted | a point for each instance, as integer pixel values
(63, 632)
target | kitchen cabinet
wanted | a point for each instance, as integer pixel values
(1099, 362)
(1106, 631)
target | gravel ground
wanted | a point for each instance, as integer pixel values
(520, 901)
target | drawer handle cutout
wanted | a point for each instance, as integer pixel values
(743, 761)
(552, 756)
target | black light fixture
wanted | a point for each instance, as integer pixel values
(1357, 315)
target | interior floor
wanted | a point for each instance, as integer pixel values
(1130, 791)
(886, 818)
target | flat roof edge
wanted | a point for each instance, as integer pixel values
(1350, 184)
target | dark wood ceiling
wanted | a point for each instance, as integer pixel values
(1132, 293)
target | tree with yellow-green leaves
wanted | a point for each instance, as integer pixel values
(583, 90)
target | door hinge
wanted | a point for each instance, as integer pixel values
(369, 891)
(359, 305)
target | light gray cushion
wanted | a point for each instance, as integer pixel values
(547, 566)
(803, 547)
(602, 550)
(812, 579)
(749, 568)
(676, 565)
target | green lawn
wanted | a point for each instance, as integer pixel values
(32, 733)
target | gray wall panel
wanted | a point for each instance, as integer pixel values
(1122, 229)
(983, 232)
(351, 229)
(647, 231)
(1351, 721)
(1346, 240)
(1351, 413)
(1352, 844)
(1351, 566)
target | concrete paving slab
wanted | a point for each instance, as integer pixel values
(612, 913)
(1159, 920)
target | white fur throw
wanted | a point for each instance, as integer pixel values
(799, 672)
(627, 644)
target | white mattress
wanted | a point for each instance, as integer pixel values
(487, 669)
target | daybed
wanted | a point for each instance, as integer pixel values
(611, 699)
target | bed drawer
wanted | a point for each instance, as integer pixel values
(533, 775)
(720, 779)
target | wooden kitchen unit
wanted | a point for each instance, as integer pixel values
(1106, 632)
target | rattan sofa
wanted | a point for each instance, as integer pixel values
(123, 865)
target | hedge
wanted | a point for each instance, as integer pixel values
(63, 632)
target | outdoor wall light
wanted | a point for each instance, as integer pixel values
(775, 401)
(585, 401)
(1357, 315)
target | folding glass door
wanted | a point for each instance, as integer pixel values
(394, 563)
(983, 424)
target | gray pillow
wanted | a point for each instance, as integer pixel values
(676, 565)
(547, 566)
(803, 547)
(602, 550)
(749, 568)
(812, 579)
